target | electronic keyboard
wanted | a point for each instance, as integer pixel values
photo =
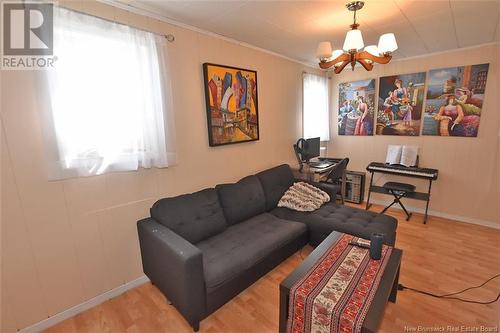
(403, 171)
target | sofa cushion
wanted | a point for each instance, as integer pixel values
(242, 200)
(275, 182)
(333, 217)
(243, 245)
(194, 216)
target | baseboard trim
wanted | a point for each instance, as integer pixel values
(73, 311)
(458, 218)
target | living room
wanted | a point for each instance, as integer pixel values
(101, 136)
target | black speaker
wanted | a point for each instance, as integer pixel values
(376, 241)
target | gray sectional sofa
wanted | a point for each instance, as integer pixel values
(202, 249)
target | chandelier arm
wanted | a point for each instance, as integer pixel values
(368, 56)
(341, 67)
(367, 65)
(341, 58)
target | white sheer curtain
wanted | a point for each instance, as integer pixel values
(109, 99)
(315, 110)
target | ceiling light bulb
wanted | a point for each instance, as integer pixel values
(353, 40)
(324, 51)
(387, 43)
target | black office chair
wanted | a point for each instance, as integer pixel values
(337, 176)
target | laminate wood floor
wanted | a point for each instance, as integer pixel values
(443, 256)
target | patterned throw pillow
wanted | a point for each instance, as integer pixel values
(303, 197)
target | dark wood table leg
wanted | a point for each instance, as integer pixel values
(369, 191)
(394, 290)
(283, 309)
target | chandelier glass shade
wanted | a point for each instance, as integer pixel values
(353, 40)
(354, 50)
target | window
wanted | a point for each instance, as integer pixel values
(109, 101)
(315, 107)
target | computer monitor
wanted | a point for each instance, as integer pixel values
(311, 149)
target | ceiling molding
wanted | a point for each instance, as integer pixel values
(145, 12)
(447, 51)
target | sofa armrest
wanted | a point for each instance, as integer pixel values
(175, 266)
(331, 189)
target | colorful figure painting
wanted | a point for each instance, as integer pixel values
(455, 100)
(400, 104)
(356, 107)
(232, 107)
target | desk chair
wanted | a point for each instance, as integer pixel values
(337, 176)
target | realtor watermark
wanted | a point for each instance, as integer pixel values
(451, 328)
(27, 35)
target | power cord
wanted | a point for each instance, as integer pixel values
(448, 296)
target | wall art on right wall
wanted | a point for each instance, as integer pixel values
(454, 100)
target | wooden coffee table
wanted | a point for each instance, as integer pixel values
(386, 290)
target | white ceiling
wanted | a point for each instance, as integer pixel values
(294, 28)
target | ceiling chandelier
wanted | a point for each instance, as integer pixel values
(353, 44)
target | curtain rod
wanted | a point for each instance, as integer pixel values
(169, 37)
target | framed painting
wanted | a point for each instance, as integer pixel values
(454, 100)
(232, 104)
(400, 102)
(356, 107)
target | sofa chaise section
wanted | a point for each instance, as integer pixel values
(334, 217)
(330, 217)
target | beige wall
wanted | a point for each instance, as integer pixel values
(468, 186)
(65, 242)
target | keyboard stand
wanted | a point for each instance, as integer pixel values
(414, 195)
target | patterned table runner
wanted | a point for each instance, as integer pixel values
(336, 293)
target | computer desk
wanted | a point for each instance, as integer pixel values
(315, 174)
